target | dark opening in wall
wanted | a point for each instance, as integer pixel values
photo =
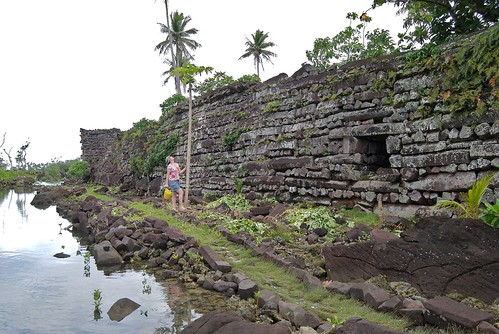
(373, 150)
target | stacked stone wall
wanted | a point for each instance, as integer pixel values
(354, 135)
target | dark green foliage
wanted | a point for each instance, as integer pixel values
(168, 107)
(231, 139)
(439, 20)
(471, 77)
(352, 43)
(161, 150)
(490, 214)
(151, 143)
(219, 79)
(249, 78)
(79, 170)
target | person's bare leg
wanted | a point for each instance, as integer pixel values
(181, 200)
(174, 193)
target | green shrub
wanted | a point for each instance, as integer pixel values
(79, 170)
(319, 217)
(237, 202)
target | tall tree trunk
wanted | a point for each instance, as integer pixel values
(174, 63)
(189, 149)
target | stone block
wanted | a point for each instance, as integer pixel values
(391, 305)
(214, 260)
(458, 182)
(454, 311)
(247, 289)
(482, 151)
(339, 287)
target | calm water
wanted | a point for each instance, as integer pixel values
(40, 293)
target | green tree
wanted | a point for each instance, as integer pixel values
(221, 79)
(187, 74)
(257, 47)
(172, 53)
(437, 20)
(178, 42)
(352, 43)
(79, 170)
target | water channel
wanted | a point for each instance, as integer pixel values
(40, 293)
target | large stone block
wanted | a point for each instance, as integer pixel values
(454, 311)
(461, 181)
(436, 159)
(213, 260)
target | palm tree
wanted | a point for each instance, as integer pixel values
(257, 48)
(177, 80)
(178, 42)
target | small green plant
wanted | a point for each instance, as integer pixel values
(256, 297)
(86, 267)
(239, 185)
(97, 298)
(272, 106)
(490, 214)
(335, 321)
(471, 201)
(146, 287)
(231, 139)
(97, 304)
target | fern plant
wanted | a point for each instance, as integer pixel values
(471, 201)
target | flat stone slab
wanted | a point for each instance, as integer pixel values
(213, 260)
(456, 312)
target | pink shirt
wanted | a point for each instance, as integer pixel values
(174, 172)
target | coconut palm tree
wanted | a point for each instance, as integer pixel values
(178, 41)
(257, 47)
(177, 80)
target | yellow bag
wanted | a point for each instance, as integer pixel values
(167, 194)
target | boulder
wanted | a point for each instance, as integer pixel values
(121, 309)
(105, 254)
(437, 255)
(220, 322)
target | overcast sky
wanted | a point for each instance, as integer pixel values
(67, 64)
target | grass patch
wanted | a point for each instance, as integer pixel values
(360, 217)
(274, 278)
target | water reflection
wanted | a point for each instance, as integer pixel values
(43, 294)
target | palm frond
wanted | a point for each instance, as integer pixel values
(453, 205)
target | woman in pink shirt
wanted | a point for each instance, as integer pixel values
(173, 172)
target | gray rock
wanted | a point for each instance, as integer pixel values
(121, 309)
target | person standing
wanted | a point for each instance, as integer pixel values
(173, 172)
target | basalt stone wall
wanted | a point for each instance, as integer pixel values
(344, 136)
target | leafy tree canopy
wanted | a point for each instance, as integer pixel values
(352, 43)
(438, 20)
